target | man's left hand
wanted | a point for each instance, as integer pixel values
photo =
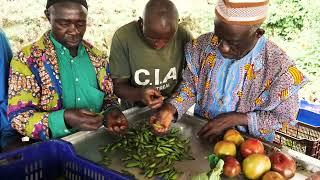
(116, 122)
(220, 123)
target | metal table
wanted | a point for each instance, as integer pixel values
(86, 144)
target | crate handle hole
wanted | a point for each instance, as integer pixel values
(9, 160)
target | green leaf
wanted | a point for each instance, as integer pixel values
(216, 166)
(202, 176)
(213, 160)
(217, 171)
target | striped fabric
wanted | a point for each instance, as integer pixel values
(242, 12)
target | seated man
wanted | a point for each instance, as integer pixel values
(7, 133)
(147, 56)
(237, 77)
(58, 84)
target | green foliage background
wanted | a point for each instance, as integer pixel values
(293, 24)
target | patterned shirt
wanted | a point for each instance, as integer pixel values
(263, 84)
(35, 88)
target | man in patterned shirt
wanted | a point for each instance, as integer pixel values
(236, 77)
(60, 84)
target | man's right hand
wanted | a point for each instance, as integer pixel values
(82, 119)
(152, 98)
(161, 120)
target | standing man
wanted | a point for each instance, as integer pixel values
(147, 56)
(60, 83)
(236, 76)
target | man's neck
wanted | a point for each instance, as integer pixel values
(73, 51)
(251, 48)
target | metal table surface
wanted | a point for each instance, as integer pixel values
(86, 144)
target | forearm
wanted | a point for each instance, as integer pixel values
(125, 91)
(240, 119)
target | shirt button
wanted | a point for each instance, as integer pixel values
(62, 53)
(72, 61)
(66, 131)
(64, 48)
(78, 99)
(77, 79)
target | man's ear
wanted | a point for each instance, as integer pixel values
(46, 12)
(260, 32)
(140, 23)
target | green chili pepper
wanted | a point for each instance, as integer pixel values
(133, 164)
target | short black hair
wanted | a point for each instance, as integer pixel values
(161, 8)
(52, 2)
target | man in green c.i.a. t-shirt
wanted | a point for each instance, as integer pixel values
(147, 56)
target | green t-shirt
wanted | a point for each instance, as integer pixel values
(132, 58)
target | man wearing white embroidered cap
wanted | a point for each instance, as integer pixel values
(236, 76)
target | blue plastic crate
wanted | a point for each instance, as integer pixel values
(309, 113)
(305, 135)
(52, 160)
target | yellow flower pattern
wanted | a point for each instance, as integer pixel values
(211, 59)
(194, 42)
(264, 131)
(259, 101)
(267, 84)
(250, 71)
(284, 94)
(207, 85)
(296, 74)
(187, 91)
(179, 99)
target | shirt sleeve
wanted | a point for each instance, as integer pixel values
(24, 95)
(185, 96)
(277, 106)
(119, 58)
(5, 58)
(264, 124)
(110, 100)
(57, 124)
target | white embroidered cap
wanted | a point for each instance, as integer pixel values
(242, 12)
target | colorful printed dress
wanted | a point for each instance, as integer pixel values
(264, 84)
(35, 88)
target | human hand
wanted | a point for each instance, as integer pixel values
(116, 122)
(82, 119)
(161, 120)
(220, 123)
(152, 98)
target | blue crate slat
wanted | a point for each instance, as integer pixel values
(309, 117)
